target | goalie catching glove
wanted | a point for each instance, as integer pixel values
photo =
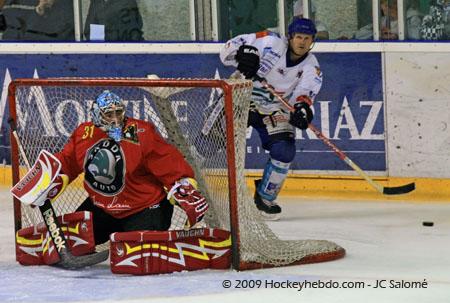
(43, 181)
(184, 193)
(302, 114)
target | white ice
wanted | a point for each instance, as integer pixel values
(384, 241)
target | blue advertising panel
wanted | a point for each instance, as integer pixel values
(349, 108)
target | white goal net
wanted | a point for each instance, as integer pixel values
(186, 113)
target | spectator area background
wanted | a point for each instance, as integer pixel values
(169, 20)
(162, 19)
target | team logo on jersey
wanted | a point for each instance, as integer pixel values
(281, 71)
(318, 71)
(104, 168)
(130, 133)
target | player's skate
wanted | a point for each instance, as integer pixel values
(269, 210)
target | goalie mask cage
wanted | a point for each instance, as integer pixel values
(46, 111)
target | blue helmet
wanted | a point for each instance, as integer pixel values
(106, 103)
(302, 26)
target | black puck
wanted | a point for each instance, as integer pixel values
(427, 223)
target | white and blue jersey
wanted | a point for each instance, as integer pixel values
(289, 79)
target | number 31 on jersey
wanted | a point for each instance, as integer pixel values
(88, 132)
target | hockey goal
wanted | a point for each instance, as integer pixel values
(186, 112)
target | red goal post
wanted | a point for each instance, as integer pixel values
(46, 111)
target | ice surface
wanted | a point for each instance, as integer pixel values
(384, 241)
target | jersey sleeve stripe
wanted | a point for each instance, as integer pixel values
(261, 34)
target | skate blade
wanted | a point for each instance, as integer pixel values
(269, 217)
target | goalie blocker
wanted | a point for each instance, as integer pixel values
(155, 252)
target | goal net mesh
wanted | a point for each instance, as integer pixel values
(190, 117)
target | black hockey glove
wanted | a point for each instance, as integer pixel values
(301, 116)
(247, 58)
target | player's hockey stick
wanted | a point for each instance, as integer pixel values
(394, 190)
(212, 117)
(67, 260)
(218, 107)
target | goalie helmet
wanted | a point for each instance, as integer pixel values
(108, 113)
(302, 26)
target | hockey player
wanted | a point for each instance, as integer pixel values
(130, 172)
(289, 67)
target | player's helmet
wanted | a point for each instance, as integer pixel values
(108, 112)
(302, 26)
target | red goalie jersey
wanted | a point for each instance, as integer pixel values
(127, 176)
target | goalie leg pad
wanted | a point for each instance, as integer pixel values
(34, 245)
(158, 252)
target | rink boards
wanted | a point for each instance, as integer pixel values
(349, 108)
(384, 104)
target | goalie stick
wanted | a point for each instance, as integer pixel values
(394, 190)
(67, 260)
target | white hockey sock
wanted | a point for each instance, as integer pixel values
(273, 178)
